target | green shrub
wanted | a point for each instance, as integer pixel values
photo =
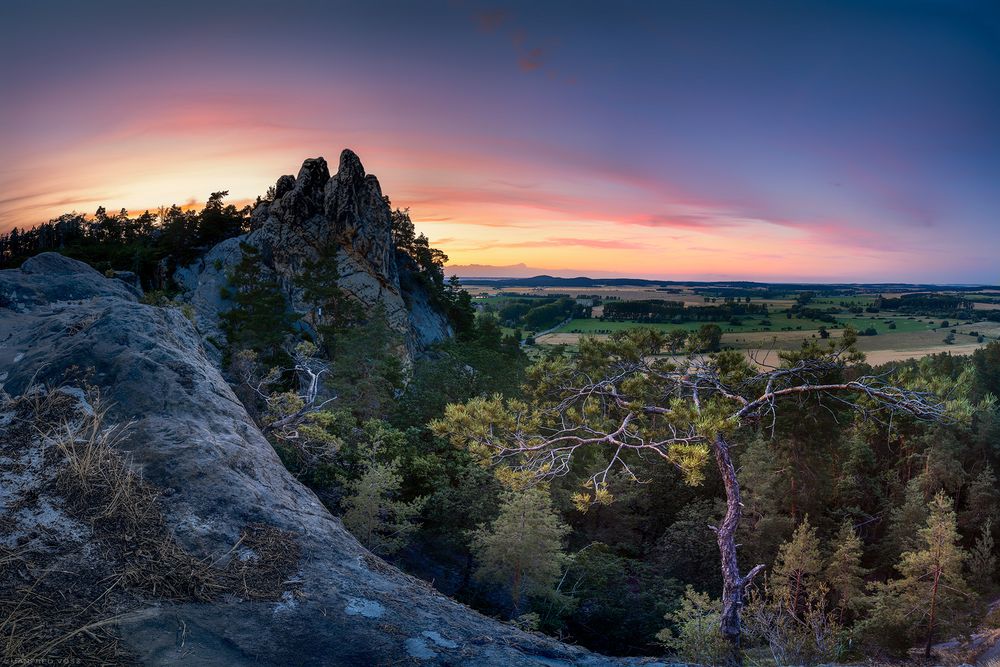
(695, 636)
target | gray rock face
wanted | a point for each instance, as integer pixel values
(344, 215)
(427, 327)
(128, 277)
(215, 474)
(204, 281)
(50, 278)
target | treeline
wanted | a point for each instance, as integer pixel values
(775, 291)
(807, 312)
(853, 518)
(931, 305)
(676, 312)
(152, 245)
(426, 264)
(138, 243)
(538, 313)
(945, 306)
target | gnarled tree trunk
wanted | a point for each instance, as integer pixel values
(733, 584)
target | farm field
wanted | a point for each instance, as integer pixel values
(687, 294)
(878, 356)
(596, 326)
(897, 335)
(780, 324)
(881, 323)
(912, 338)
(764, 347)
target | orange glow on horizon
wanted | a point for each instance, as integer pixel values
(558, 212)
(708, 149)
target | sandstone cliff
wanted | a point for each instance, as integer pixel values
(316, 212)
(231, 561)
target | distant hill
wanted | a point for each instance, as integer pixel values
(584, 281)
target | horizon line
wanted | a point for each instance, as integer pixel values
(672, 281)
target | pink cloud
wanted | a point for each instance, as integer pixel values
(531, 59)
(491, 20)
(606, 244)
(696, 222)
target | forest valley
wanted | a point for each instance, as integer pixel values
(643, 494)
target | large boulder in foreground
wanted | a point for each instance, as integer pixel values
(216, 555)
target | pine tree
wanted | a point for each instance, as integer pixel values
(857, 488)
(982, 501)
(844, 574)
(983, 561)
(797, 567)
(259, 319)
(522, 549)
(932, 594)
(695, 636)
(905, 522)
(367, 372)
(218, 221)
(373, 515)
(331, 311)
(685, 550)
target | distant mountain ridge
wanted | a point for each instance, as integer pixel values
(584, 281)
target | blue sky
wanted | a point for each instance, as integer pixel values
(764, 140)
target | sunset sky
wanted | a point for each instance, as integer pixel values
(823, 141)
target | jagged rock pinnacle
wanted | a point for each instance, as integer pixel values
(350, 165)
(313, 215)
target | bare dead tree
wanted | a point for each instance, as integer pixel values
(680, 409)
(286, 412)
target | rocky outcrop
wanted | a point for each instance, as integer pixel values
(344, 215)
(49, 278)
(219, 487)
(204, 282)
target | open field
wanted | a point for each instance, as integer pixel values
(686, 293)
(876, 357)
(988, 329)
(859, 300)
(896, 350)
(897, 335)
(894, 345)
(593, 326)
(880, 323)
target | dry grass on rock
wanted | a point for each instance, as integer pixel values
(85, 543)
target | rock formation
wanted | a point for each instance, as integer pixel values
(266, 575)
(313, 213)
